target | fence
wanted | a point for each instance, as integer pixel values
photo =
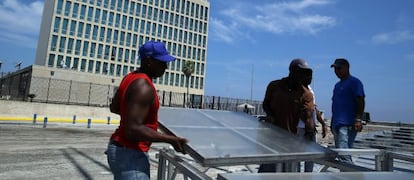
(48, 90)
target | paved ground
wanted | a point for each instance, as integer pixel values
(60, 151)
(67, 151)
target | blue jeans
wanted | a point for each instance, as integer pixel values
(344, 138)
(127, 163)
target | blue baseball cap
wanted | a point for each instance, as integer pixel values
(155, 50)
(340, 62)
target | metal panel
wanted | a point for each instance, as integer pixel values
(219, 138)
(319, 176)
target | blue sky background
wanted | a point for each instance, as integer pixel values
(258, 39)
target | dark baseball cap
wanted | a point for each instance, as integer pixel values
(155, 50)
(340, 62)
(299, 63)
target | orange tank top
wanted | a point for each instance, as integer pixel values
(151, 121)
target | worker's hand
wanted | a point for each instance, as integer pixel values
(178, 144)
(324, 130)
(358, 125)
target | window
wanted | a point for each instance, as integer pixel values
(75, 10)
(182, 81)
(161, 16)
(133, 56)
(120, 53)
(202, 68)
(67, 62)
(144, 10)
(92, 51)
(97, 67)
(60, 61)
(126, 58)
(57, 24)
(111, 18)
(67, 8)
(80, 29)
(72, 27)
(85, 48)
(107, 49)
(64, 26)
(95, 32)
(111, 69)
(124, 21)
(62, 44)
(113, 53)
(90, 13)
(108, 35)
(82, 13)
(132, 8)
(118, 70)
(171, 79)
(128, 39)
(115, 40)
(100, 50)
(138, 10)
(53, 43)
(102, 34)
(90, 66)
(113, 4)
(77, 47)
(134, 40)
(70, 45)
(105, 68)
(166, 75)
(59, 6)
(122, 38)
(124, 70)
(126, 4)
(117, 19)
(83, 65)
(104, 16)
(136, 25)
(119, 5)
(87, 30)
(149, 15)
(130, 21)
(75, 64)
(51, 61)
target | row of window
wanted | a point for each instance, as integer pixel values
(115, 36)
(118, 20)
(112, 69)
(85, 48)
(179, 6)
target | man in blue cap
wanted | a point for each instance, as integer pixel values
(348, 103)
(136, 101)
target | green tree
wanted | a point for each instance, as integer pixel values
(188, 70)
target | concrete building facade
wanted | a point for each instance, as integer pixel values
(100, 39)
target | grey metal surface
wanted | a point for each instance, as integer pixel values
(233, 138)
(319, 176)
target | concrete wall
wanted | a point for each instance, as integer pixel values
(27, 109)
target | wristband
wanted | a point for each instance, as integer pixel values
(358, 120)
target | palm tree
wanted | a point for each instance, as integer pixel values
(188, 70)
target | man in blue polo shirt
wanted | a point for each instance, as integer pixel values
(348, 103)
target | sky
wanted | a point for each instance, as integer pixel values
(252, 43)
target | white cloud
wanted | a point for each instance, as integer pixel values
(277, 18)
(20, 22)
(393, 37)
